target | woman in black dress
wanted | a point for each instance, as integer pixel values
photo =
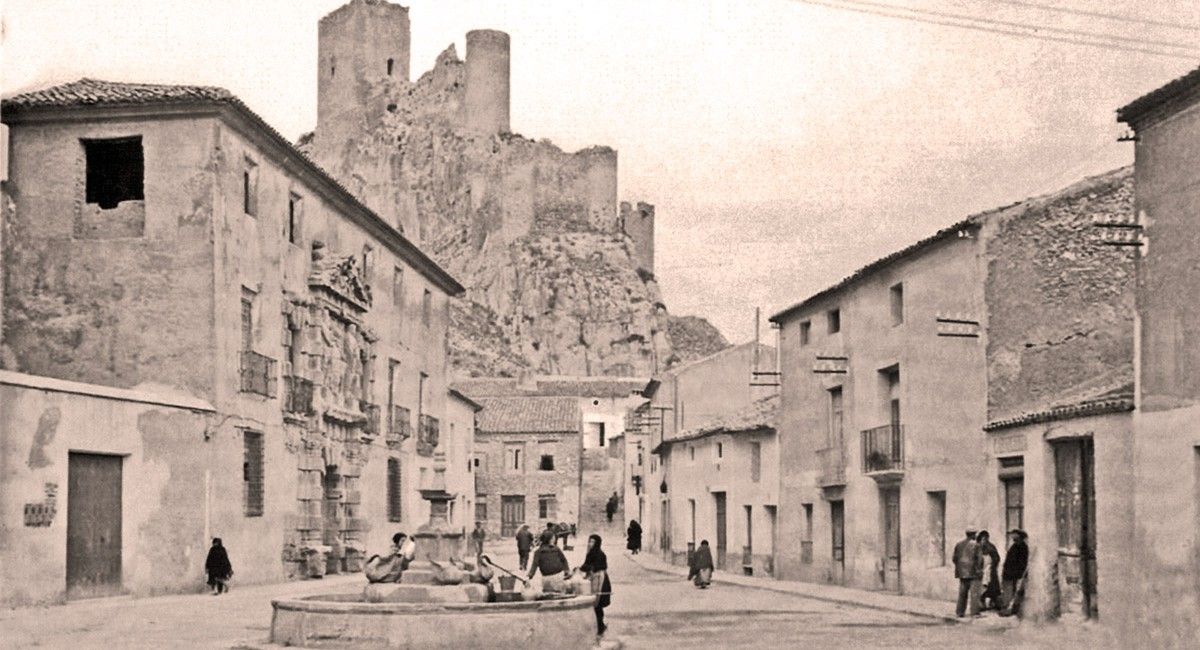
(595, 567)
(218, 567)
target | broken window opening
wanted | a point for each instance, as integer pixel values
(115, 171)
(390, 64)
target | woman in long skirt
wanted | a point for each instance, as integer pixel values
(595, 567)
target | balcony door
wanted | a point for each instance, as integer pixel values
(837, 527)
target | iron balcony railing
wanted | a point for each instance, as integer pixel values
(883, 449)
(371, 427)
(832, 466)
(258, 374)
(298, 395)
(399, 425)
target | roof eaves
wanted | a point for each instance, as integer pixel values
(1068, 412)
(1161, 101)
(476, 406)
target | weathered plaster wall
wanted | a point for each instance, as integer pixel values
(459, 447)
(495, 480)
(93, 296)
(943, 401)
(164, 522)
(1161, 606)
(1060, 302)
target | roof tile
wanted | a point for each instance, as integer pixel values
(525, 414)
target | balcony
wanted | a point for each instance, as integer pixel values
(832, 466)
(399, 426)
(883, 452)
(298, 395)
(428, 431)
(371, 411)
(257, 374)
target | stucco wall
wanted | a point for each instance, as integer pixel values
(166, 517)
(943, 401)
(121, 296)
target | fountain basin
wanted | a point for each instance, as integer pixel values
(348, 620)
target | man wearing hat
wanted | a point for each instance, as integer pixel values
(1015, 564)
(968, 568)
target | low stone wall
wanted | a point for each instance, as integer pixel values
(345, 621)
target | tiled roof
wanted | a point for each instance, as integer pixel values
(953, 230)
(529, 415)
(559, 386)
(759, 417)
(87, 93)
(1115, 400)
(1183, 88)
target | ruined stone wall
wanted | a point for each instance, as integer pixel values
(118, 296)
(1060, 302)
(638, 223)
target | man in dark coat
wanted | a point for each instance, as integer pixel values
(968, 568)
(218, 567)
(524, 545)
(701, 569)
(610, 508)
(477, 538)
(1013, 575)
(633, 537)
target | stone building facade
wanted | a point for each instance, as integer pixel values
(1160, 605)
(527, 463)
(890, 377)
(167, 234)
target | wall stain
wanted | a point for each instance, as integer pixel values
(47, 428)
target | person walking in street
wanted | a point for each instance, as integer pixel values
(968, 564)
(633, 537)
(218, 568)
(595, 568)
(990, 597)
(701, 569)
(549, 530)
(549, 559)
(524, 545)
(1012, 577)
(477, 537)
(610, 508)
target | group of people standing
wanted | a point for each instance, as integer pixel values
(982, 583)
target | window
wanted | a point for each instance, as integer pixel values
(395, 491)
(937, 528)
(426, 307)
(547, 506)
(252, 472)
(805, 332)
(512, 458)
(1014, 502)
(692, 453)
(481, 507)
(547, 463)
(834, 317)
(391, 63)
(756, 461)
(421, 381)
(720, 450)
(897, 295)
(835, 417)
(247, 320)
(806, 554)
(293, 219)
(398, 287)
(479, 461)
(250, 188)
(594, 437)
(115, 171)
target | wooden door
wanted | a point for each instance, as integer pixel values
(837, 526)
(93, 525)
(722, 543)
(891, 538)
(664, 540)
(512, 514)
(331, 518)
(1074, 509)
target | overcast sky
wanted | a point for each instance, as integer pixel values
(784, 144)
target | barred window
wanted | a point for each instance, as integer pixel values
(252, 472)
(394, 493)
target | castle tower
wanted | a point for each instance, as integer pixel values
(360, 44)
(487, 82)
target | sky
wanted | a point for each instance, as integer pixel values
(784, 144)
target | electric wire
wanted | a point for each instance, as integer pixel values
(1097, 14)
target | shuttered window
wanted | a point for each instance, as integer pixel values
(252, 472)
(394, 501)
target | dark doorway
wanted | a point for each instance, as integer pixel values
(93, 525)
(837, 525)
(890, 500)
(512, 514)
(1075, 517)
(722, 542)
(332, 521)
